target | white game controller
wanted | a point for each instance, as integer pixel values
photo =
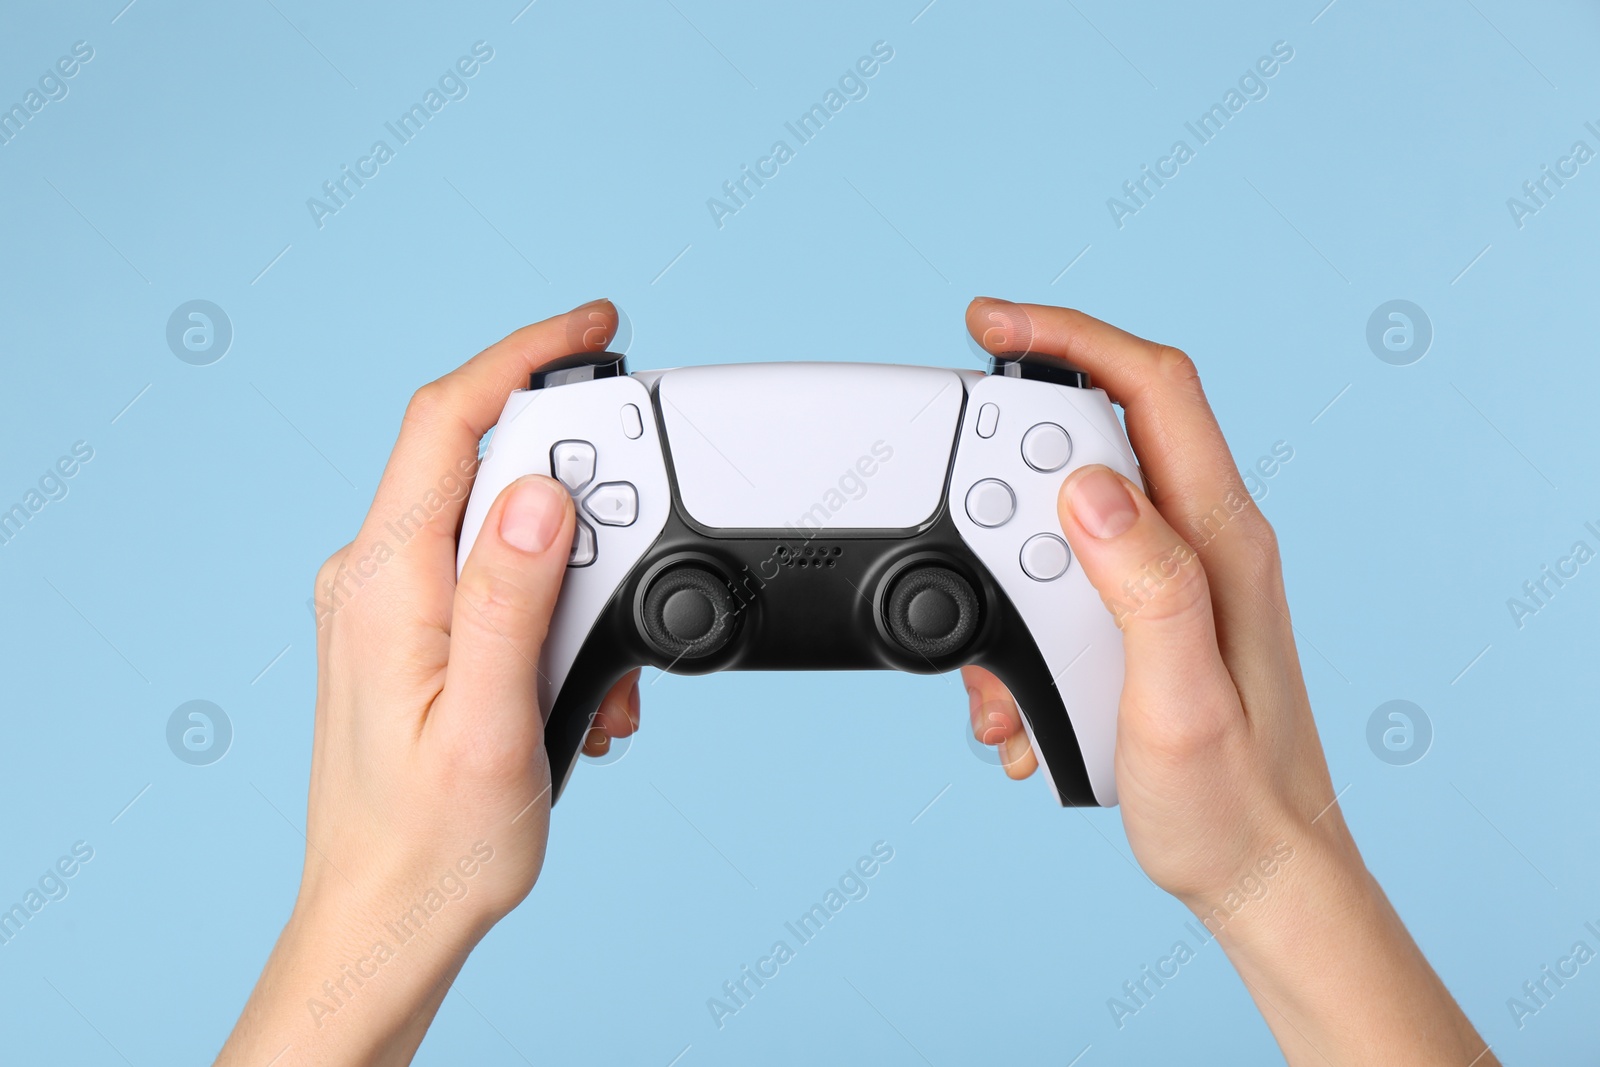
(823, 516)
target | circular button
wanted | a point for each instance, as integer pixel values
(932, 611)
(991, 502)
(1046, 447)
(688, 612)
(1045, 557)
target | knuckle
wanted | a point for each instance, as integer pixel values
(1185, 595)
(329, 570)
(1170, 588)
(1264, 559)
(478, 752)
(1182, 735)
(428, 404)
(495, 600)
(1251, 543)
(324, 588)
(1176, 366)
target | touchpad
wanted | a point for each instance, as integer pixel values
(810, 446)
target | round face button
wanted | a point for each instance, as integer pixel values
(1045, 557)
(991, 503)
(1046, 447)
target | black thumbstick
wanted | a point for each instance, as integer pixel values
(578, 367)
(688, 612)
(932, 611)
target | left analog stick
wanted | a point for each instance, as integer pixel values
(688, 612)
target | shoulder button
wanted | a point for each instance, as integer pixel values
(578, 367)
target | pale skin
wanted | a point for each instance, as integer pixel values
(429, 774)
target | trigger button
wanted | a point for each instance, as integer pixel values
(583, 550)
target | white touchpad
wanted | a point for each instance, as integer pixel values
(810, 445)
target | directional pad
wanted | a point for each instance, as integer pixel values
(583, 550)
(573, 464)
(613, 503)
(609, 503)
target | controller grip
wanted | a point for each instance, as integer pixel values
(1021, 668)
(610, 653)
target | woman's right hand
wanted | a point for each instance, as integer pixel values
(1225, 792)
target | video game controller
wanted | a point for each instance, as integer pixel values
(822, 516)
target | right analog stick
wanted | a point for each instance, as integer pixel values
(932, 611)
(688, 612)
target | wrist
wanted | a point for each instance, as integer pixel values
(1302, 889)
(368, 954)
(370, 928)
(1289, 879)
(343, 985)
(1328, 960)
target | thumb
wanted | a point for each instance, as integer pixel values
(1151, 580)
(503, 602)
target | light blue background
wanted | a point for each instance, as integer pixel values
(179, 565)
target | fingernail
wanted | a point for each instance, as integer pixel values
(633, 704)
(973, 700)
(533, 515)
(1014, 748)
(592, 303)
(1101, 504)
(990, 300)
